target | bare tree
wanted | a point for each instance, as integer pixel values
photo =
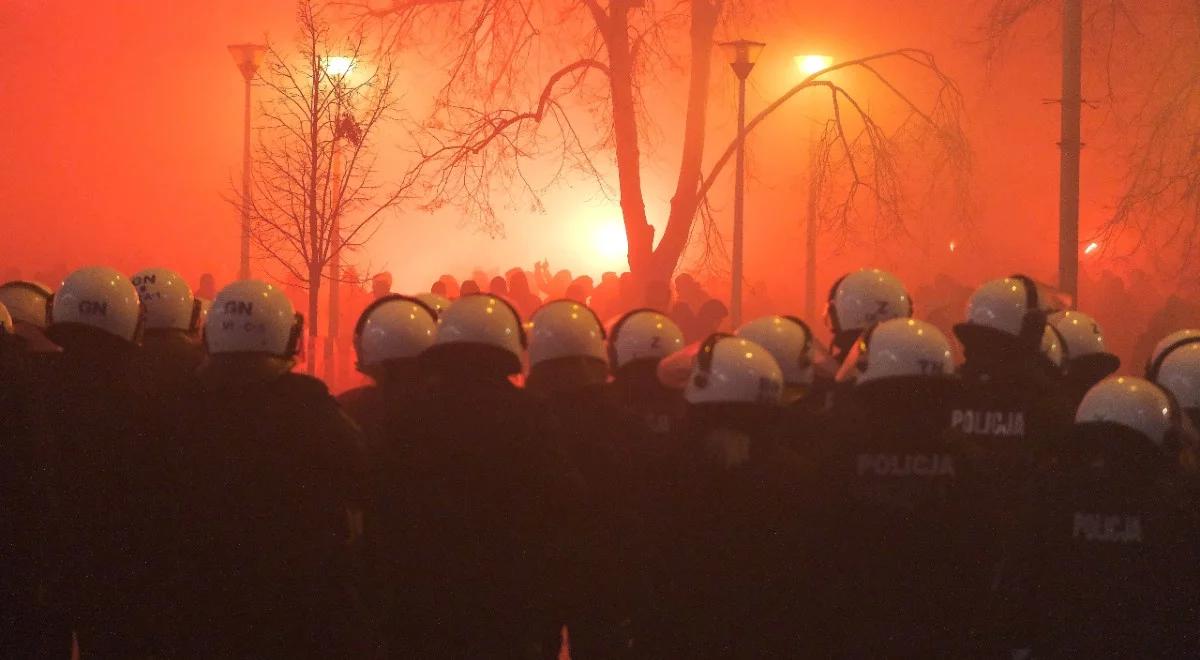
(315, 196)
(1142, 55)
(522, 74)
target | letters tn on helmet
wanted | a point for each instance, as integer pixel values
(167, 299)
(866, 297)
(27, 302)
(1133, 403)
(249, 316)
(895, 349)
(1175, 366)
(643, 334)
(734, 370)
(100, 298)
(565, 328)
(394, 327)
(789, 340)
(482, 319)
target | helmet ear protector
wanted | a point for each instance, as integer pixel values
(704, 359)
(616, 331)
(805, 360)
(522, 337)
(1033, 324)
(1155, 366)
(294, 346)
(361, 323)
(831, 309)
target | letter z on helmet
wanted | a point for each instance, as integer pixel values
(642, 334)
(730, 369)
(866, 297)
(168, 300)
(250, 316)
(99, 298)
(896, 349)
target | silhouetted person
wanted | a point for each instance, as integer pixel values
(208, 287)
(498, 287)
(381, 285)
(469, 287)
(438, 289)
(522, 297)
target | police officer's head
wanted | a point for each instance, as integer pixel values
(1175, 366)
(478, 335)
(1087, 361)
(29, 305)
(389, 336)
(1130, 417)
(252, 324)
(790, 341)
(1006, 320)
(97, 308)
(861, 299)
(638, 340)
(735, 389)
(899, 350)
(169, 304)
(566, 347)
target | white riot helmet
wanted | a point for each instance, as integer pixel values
(168, 300)
(249, 316)
(1175, 366)
(100, 298)
(435, 302)
(485, 320)
(896, 349)
(730, 369)
(1053, 347)
(1133, 403)
(790, 342)
(394, 327)
(1011, 306)
(6, 322)
(27, 302)
(565, 328)
(1082, 335)
(642, 334)
(861, 299)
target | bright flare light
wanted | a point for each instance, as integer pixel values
(339, 66)
(810, 64)
(609, 240)
(1092, 247)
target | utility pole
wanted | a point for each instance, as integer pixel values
(247, 57)
(1070, 146)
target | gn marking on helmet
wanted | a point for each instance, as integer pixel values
(992, 423)
(143, 280)
(906, 465)
(93, 308)
(1107, 528)
(239, 307)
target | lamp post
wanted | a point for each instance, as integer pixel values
(247, 57)
(809, 65)
(743, 55)
(336, 68)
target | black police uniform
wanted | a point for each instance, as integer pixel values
(268, 471)
(905, 534)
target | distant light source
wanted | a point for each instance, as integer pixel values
(1092, 247)
(953, 246)
(609, 240)
(338, 66)
(810, 64)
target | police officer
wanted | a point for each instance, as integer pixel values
(106, 466)
(270, 470)
(29, 305)
(861, 299)
(171, 349)
(484, 505)
(1175, 366)
(1087, 361)
(1116, 516)
(637, 342)
(733, 529)
(906, 527)
(612, 452)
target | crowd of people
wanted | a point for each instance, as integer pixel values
(521, 479)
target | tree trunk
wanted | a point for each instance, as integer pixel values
(625, 130)
(685, 202)
(314, 222)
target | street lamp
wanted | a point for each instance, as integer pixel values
(743, 55)
(809, 65)
(337, 69)
(247, 57)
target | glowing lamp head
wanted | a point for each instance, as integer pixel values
(810, 64)
(742, 54)
(338, 66)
